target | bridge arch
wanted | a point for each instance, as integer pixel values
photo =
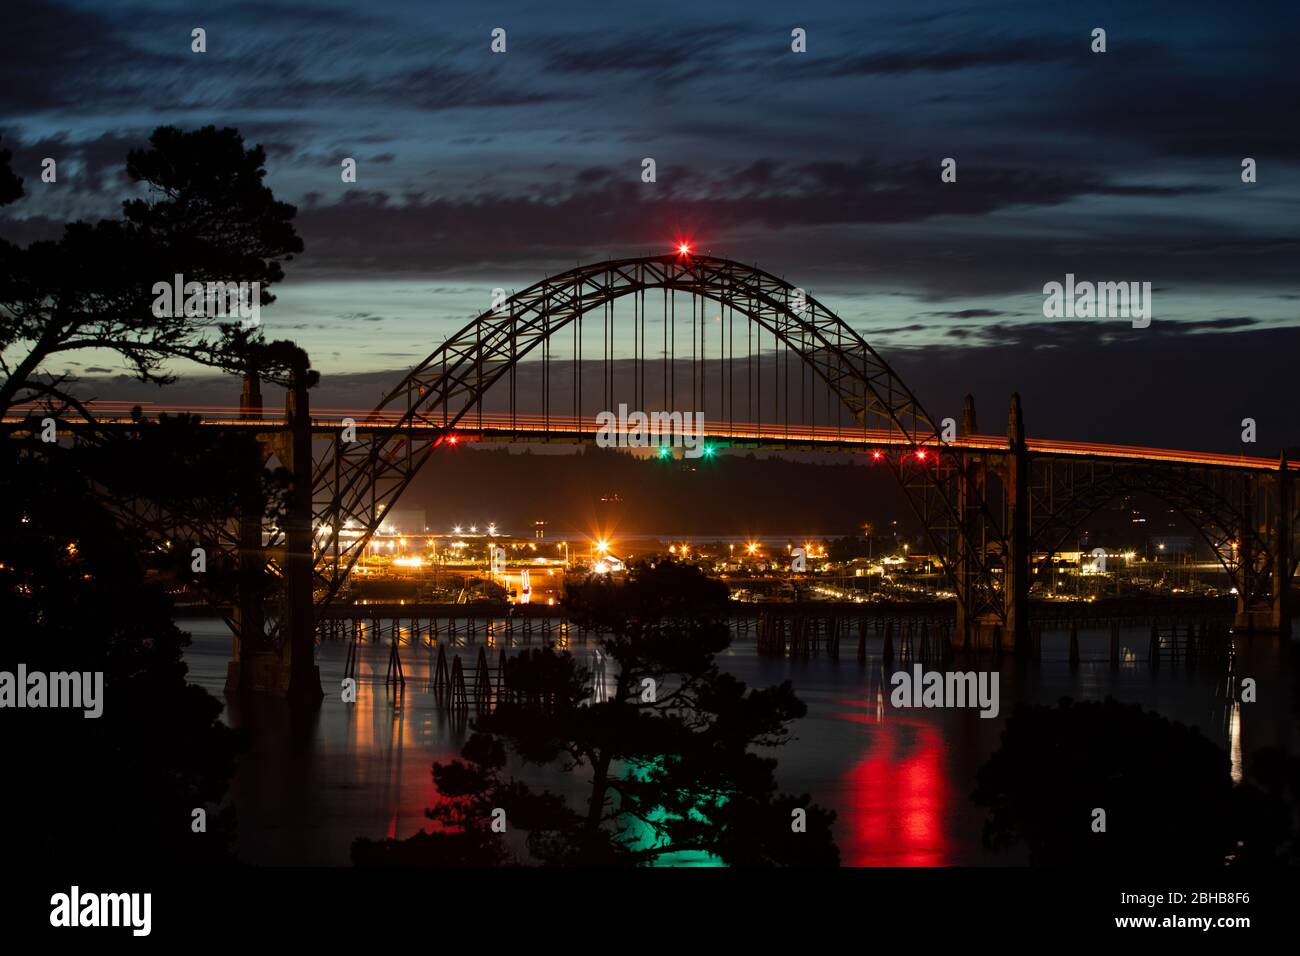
(355, 479)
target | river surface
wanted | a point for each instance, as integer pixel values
(899, 780)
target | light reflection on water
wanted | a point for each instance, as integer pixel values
(899, 780)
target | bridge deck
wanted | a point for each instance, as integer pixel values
(499, 427)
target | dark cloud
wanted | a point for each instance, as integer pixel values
(1221, 96)
(431, 87)
(894, 330)
(1098, 332)
(969, 314)
(821, 167)
(974, 53)
(54, 56)
(606, 208)
(668, 57)
(96, 166)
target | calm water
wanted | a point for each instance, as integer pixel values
(900, 780)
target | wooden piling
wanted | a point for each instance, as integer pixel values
(459, 698)
(482, 683)
(350, 666)
(395, 675)
(441, 679)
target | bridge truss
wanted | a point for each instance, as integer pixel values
(356, 482)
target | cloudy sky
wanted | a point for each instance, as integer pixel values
(478, 170)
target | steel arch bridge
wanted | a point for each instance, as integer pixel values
(988, 503)
(985, 509)
(356, 481)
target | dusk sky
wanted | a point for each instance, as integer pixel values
(478, 170)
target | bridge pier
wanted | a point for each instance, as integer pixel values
(248, 662)
(999, 622)
(1258, 612)
(970, 490)
(300, 614)
(290, 671)
(1282, 546)
(1015, 564)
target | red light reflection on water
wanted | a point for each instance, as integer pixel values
(896, 799)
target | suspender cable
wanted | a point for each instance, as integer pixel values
(731, 370)
(641, 296)
(609, 349)
(546, 372)
(577, 370)
(605, 353)
(514, 355)
(787, 389)
(664, 354)
(636, 356)
(672, 364)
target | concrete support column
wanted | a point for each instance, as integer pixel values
(970, 486)
(1015, 594)
(249, 617)
(1281, 616)
(1247, 583)
(304, 675)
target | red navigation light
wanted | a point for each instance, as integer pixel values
(684, 248)
(921, 454)
(453, 439)
(877, 455)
